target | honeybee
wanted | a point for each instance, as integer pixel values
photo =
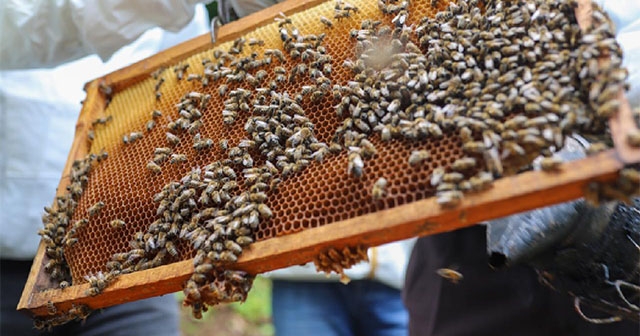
(450, 274)
(154, 167)
(631, 176)
(279, 70)
(476, 147)
(133, 136)
(51, 308)
(192, 77)
(274, 52)
(178, 158)
(264, 211)
(120, 257)
(317, 95)
(117, 223)
(213, 256)
(103, 155)
(449, 198)
(159, 83)
(228, 256)
(162, 151)
(418, 157)
(550, 163)
(75, 189)
(150, 125)
(464, 164)
(95, 209)
(516, 122)
(244, 240)
(233, 247)
(273, 185)
(195, 126)
(204, 268)
(180, 70)
(481, 181)
(379, 189)
(609, 191)
(326, 68)
(444, 186)
(156, 73)
(356, 165)
(261, 74)
(191, 291)
(171, 248)
(453, 177)
(608, 108)
(92, 291)
(224, 144)
(114, 265)
(596, 147)
(102, 120)
(385, 133)
(326, 22)
(71, 241)
(255, 42)
(633, 138)
(349, 7)
(172, 139)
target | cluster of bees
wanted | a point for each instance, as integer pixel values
(202, 210)
(465, 72)
(207, 207)
(623, 189)
(76, 313)
(226, 286)
(461, 73)
(60, 232)
(189, 121)
(334, 260)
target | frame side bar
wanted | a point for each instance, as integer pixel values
(91, 109)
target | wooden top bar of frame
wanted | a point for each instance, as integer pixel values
(509, 195)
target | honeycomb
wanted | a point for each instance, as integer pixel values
(322, 193)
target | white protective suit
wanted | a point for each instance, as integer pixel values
(39, 108)
(46, 33)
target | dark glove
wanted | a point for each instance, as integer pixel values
(590, 253)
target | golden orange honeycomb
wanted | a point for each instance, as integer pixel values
(323, 192)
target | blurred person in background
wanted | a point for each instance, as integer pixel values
(305, 302)
(50, 49)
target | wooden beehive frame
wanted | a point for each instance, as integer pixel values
(425, 217)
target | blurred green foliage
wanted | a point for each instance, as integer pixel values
(255, 312)
(257, 308)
